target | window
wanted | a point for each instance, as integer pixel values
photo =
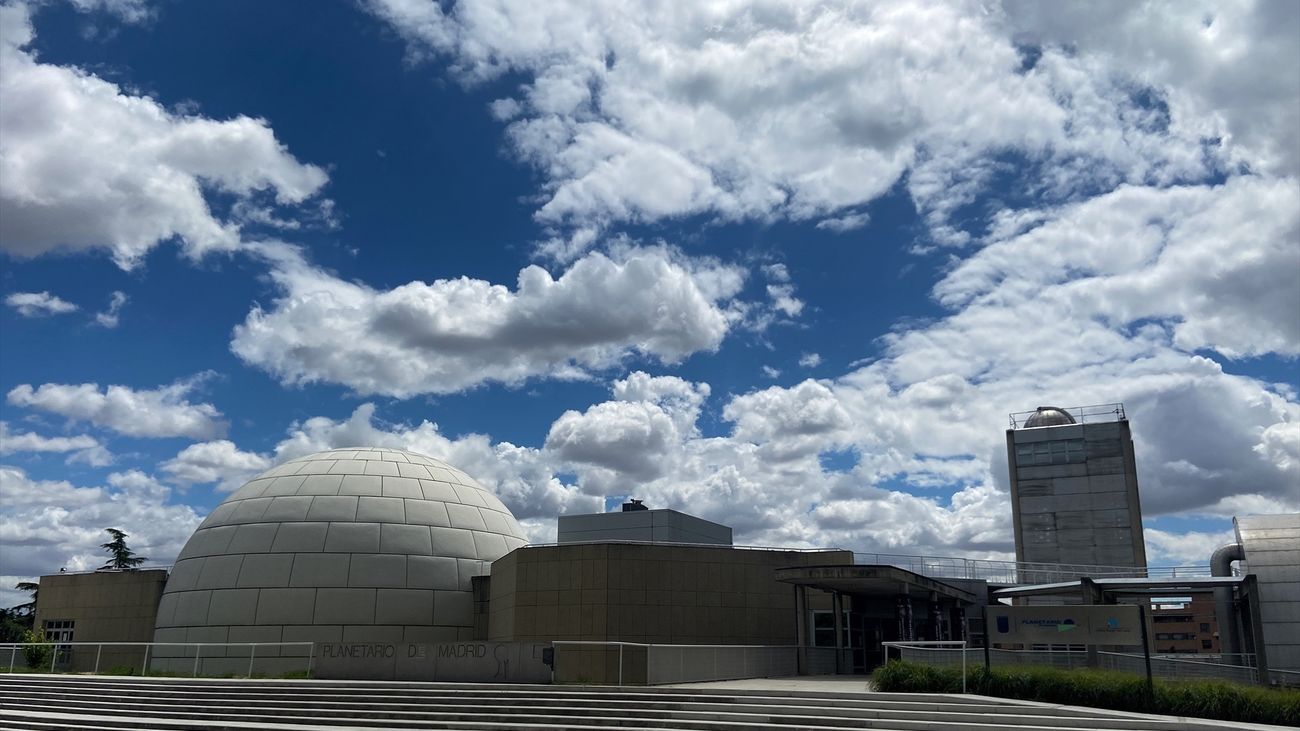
(58, 630)
(1205, 626)
(1167, 618)
(823, 628)
(1059, 451)
(1207, 644)
(1175, 636)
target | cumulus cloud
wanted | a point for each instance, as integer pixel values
(46, 525)
(522, 477)
(1215, 262)
(810, 360)
(87, 165)
(453, 334)
(219, 462)
(112, 316)
(640, 112)
(80, 448)
(160, 412)
(39, 304)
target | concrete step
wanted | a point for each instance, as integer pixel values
(542, 699)
(108, 704)
(616, 718)
(827, 715)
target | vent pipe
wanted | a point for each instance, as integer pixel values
(1224, 611)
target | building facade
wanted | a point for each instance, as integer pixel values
(1074, 487)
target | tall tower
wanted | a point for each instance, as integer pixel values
(1074, 488)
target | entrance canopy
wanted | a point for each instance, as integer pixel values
(871, 581)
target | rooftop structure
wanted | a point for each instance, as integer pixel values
(1074, 486)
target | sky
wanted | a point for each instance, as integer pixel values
(784, 265)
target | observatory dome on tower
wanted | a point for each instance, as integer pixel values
(349, 545)
(1049, 416)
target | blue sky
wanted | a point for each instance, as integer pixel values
(786, 266)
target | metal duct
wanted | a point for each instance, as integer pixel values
(1224, 611)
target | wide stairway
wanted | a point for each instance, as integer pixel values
(102, 703)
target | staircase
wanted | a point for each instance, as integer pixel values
(98, 703)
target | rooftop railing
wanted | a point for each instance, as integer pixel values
(1020, 572)
(1095, 414)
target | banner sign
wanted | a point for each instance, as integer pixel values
(1080, 624)
(512, 662)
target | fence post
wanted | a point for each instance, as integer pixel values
(54, 656)
(13, 652)
(198, 650)
(252, 653)
(963, 668)
(99, 650)
(311, 656)
(144, 669)
(620, 665)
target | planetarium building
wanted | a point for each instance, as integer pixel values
(349, 545)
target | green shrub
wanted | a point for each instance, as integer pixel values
(37, 655)
(1102, 689)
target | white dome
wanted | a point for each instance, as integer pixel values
(349, 545)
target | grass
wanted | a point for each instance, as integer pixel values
(1103, 689)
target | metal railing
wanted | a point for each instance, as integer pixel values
(1094, 414)
(1164, 667)
(1019, 572)
(959, 645)
(61, 653)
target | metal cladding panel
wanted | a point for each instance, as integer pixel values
(1272, 548)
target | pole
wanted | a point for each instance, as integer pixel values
(620, 665)
(1146, 650)
(310, 657)
(252, 653)
(54, 656)
(963, 667)
(13, 652)
(988, 636)
(99, 650)
(198, 649)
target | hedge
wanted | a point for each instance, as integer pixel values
(1102, 689)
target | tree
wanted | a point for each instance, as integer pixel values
(122, 557)
(30, 607)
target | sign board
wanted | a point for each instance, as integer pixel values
(1102, 624)
(500, 662)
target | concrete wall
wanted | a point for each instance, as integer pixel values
(109, 606)
(664, 526)
(660, 594)
(1085, 511)
(1272, 546)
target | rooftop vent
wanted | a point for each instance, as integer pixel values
(632, 505)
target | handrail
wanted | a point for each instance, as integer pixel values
(925, 644)
(56, 646)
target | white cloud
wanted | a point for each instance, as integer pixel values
(159, 412)
(46, 525)
(219, 461)
(810, 360)
(843, 224)
(89, 166)
(641, 111)
(130, 11)
(454, 334)
(109, 318)
(39, 304)
(83, 448)
(1218, 263)
(771, 372)
(1192, 548)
